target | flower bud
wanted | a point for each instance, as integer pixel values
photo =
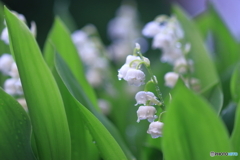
(146, 112)
(137, 46)
(135, 77)
(171, 79)
(155, 129)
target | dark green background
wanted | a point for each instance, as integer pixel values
(97, 12)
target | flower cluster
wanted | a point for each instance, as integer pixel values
(167, 35)
(93, 55)
(131, 72)
(123, 30)
(4, 34)
(8, 67)
(89, 49)
(12, 85)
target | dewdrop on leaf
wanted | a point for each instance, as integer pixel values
(146, 112)
(155, 129)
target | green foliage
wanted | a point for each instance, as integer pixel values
(192, 128)
(64, 120)
(108, 147)
(73, 87)
(235, 81)
(235, 139)
(43, 98)
(204, 68)
(225, 47)
(60, 41)
(15, 130)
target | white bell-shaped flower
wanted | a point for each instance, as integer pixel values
(155, 129)
(182, 65)
(14, 71)
(171, 54)
(143, 97)
(13, 86)
(146, 112)
(6, 62)
(79, 37)
(162, 41)
(4, 35)
(171, 79)
(151, 29)
(18, 85)
(133, 60)
(135, 77)
(94, 77)
(122, 72)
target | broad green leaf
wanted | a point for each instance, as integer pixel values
(235, 138)
(226, 47)
(192, 129)
(228, 116)
(82, 145)
(203, 22)
(15, 130)
(215, 97)
(74, 88)
(204, 68)
(235, 84)
(4, 48)
(107, 145)
(60, 39)
(43, 98)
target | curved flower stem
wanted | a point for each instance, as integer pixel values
(159, 93)
(159, 118)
